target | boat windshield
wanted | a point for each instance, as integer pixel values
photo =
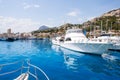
(74, 31)
(105, 35)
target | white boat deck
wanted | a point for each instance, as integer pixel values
(23, 76)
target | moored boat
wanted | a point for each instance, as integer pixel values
(114, 39)
(76, 40)
(10, 39)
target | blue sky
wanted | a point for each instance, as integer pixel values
(28, 15)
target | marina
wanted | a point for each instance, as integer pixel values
(57, 62)
(59, 40)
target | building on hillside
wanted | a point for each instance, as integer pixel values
(9, 31)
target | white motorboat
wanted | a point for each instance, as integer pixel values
(114, 39)
(116, 47)
(57, 40)
(76, 40)
(23, 76)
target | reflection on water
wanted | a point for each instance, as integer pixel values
(56, 48)
(70, 58)
(93, 65)
(8, 46)
(60, 63)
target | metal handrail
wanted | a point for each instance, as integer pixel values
(11, 63)
(10, 72)
(5, 73)
(23, 67)
(33, 75)
(39, 70)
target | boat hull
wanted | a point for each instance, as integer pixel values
(116, 47)
(87, 47)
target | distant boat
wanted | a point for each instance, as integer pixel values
(39, 38)
(10, 39)
(76, 40)
(2, 39)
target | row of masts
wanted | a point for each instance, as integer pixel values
(106, 29)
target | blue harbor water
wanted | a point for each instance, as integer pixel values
(58, 63)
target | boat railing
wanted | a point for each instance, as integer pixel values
(10, 63)
(37, 68)
(22, 67)
(10, 72)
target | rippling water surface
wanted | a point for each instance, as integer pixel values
(59, 63)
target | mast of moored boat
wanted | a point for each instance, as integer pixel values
(101, 27)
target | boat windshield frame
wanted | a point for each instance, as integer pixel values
(74, 31)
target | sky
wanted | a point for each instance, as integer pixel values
(29, 15)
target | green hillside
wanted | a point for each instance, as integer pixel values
(108, 21)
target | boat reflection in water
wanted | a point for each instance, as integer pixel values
(113, 57)
(71, 58)
(56, 48)
(92, 65)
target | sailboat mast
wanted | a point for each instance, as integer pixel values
(106, 24)
(101, 27)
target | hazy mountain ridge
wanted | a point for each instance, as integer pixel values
(43, 27)
(115, 12)
(110, 20)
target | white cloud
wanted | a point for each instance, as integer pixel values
(24, 3)
(50, 19)
(17, 25)
(73, 13)
(27, 6)
(36, 6)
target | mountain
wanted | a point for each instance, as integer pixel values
(109, 20)
(69, 26)
(43, 27)
(115, 12)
